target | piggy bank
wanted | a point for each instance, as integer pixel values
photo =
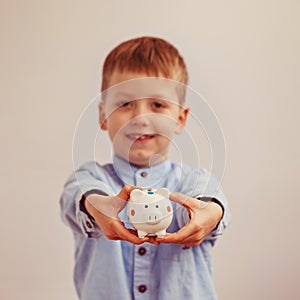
(150, 212)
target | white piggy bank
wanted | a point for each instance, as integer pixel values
(150, 212)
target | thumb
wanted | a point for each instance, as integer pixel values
(125, 192)
(179, 198)
(187, 201)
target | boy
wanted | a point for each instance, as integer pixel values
(143, 92)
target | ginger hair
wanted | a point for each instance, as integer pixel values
(151, 55)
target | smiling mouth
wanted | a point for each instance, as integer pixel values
(140, 137)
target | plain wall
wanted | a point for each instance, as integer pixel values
(242, 56)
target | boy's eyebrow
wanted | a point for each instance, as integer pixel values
(135, 97)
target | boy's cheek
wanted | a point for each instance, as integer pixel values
(110, 110)
(164, 125)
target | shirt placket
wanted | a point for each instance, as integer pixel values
(141, 177)
(143, 257)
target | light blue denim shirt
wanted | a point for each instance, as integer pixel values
(109, 270)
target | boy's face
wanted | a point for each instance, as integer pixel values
(141, 114)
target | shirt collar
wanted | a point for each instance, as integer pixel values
(153, 177)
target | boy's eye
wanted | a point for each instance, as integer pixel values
(158, 105)
(124, 103)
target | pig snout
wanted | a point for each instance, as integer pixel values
(153, 216)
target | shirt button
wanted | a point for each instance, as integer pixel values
(142, 251)
(142, 288)
(88, 224)
(144, 174)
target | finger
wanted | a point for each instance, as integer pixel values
(187, 201)
(129, 235)
(192, 240)
(179, 237)
(134, 239)
(181, 198)
(170, 238)
(125, 192)
(153, 240)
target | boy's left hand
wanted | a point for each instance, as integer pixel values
(204, 216)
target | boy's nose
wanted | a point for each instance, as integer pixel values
(141, 120)
(140, 116)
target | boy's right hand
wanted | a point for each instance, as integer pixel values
(105, 210)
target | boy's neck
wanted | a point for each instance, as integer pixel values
(151, 162)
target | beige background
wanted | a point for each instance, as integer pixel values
(243, 56)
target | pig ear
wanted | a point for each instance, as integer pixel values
(137, 195)
(163, 192)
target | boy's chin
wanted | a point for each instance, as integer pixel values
(145, 161)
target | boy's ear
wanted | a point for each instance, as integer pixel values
(102, 117)
(182, 118)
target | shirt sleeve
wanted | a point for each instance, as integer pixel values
(85, 180)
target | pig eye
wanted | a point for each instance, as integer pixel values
(156, 206)
(146, 206)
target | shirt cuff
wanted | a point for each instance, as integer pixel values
(87, 223)
(219, 228)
